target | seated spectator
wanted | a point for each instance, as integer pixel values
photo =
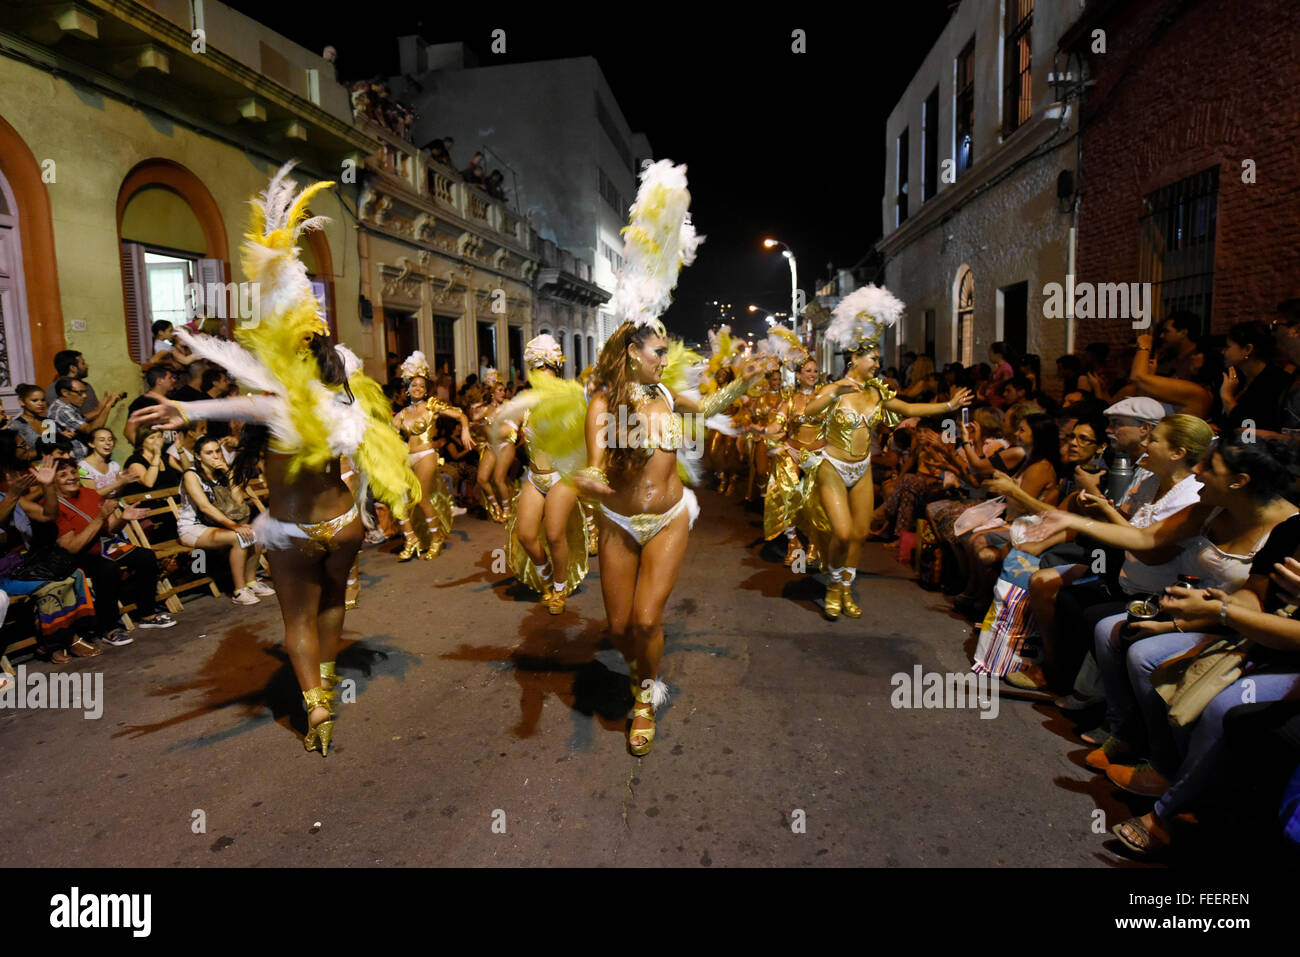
(1030, 368)
(1242, 513)
(979, 541)
(1187, 394)
(214, 514)
(922, 383)
(98, 470)
(1252, 385)
(1179, 355)
(147, 467)
(68, 420)
(72, 364)
(181, 454)
(216, 384)
(1066, 613)
(31, 421)
(88, 528)
(65, 611)
(160, 381)
(913, 489)
(1002, 371)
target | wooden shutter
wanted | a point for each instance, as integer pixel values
(209, 271)
(139, 315)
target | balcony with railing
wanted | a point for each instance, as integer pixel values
(417, 180)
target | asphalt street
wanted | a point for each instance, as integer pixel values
(486, 732)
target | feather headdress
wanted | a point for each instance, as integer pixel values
(862, 317)
(415, 365)
(658, 241)
(722, 348)
(319, 422)
(542, 351)
(785, 345)
(491, 378)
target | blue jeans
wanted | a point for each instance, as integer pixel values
(1193, 757)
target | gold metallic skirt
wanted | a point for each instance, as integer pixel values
(787, 486)
(521, 566)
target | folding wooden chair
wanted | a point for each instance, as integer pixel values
(163, 502)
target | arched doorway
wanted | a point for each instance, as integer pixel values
(171, 235)
(318, 259)
(963, 330)
(32, 323)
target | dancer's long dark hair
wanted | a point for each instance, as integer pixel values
(330, 364)
(611, 377)
(1047, 443)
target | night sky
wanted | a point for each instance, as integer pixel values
(776, 143)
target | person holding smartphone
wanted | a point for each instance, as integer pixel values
(214, 514)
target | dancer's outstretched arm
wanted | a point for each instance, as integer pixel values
(170, 414)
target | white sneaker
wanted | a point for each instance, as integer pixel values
(375, 537)
(245, 596)
(260, 588)
(457, 510)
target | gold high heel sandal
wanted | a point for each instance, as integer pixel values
(554, 600)
(645, 696)
(833, 599)
(791, 550)
(321, 734)
(330, 681)
(851, 607)
(412, 547)
(434, 550)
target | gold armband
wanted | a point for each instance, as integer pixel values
(715, 402)
(180, 407)
(594, 473)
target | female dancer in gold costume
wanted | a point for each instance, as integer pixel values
(429, 524)
(634, 433)
(795, 440)
(841, 508)
(481, 414)
(546, 538)
(319, 406)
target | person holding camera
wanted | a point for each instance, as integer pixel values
(214, 514)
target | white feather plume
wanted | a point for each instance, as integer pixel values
(241, 364)
(659, 240)
(863, 314)
(543, 350)
(413, 365)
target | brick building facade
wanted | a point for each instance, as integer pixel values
(1186, 92)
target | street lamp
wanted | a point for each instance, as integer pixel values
(788, 253)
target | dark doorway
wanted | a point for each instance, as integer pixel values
(516, 352)
(444, 348)
(929, 333)
(402, 337)
(1015, 318)
(487, 346)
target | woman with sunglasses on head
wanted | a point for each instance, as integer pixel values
(841, 508)
(320, 407)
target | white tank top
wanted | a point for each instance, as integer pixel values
(1215, 567)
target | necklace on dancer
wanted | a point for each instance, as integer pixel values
(643, 393)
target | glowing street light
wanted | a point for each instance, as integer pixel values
(788, 253)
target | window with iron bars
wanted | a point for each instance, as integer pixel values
(1177, 246)
(1017, 100)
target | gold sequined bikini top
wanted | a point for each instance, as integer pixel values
(669, 428)
(423, 428)
(798, 419)
(842, 423)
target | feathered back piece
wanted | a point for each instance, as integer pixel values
(683, 367)
(722, 347)
(414, 365)
(320, 422)
(543, 351)
(658, 241)
(557, 419)
(862, 317)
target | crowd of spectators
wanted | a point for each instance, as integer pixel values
(69, 495)
(476, 173)
(1128, 545)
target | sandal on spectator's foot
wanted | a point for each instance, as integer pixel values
(81, 648)
(60, 657)
(1142, 840)
(1139, 778)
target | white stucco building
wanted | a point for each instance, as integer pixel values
(555, 130)
(972, 224)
